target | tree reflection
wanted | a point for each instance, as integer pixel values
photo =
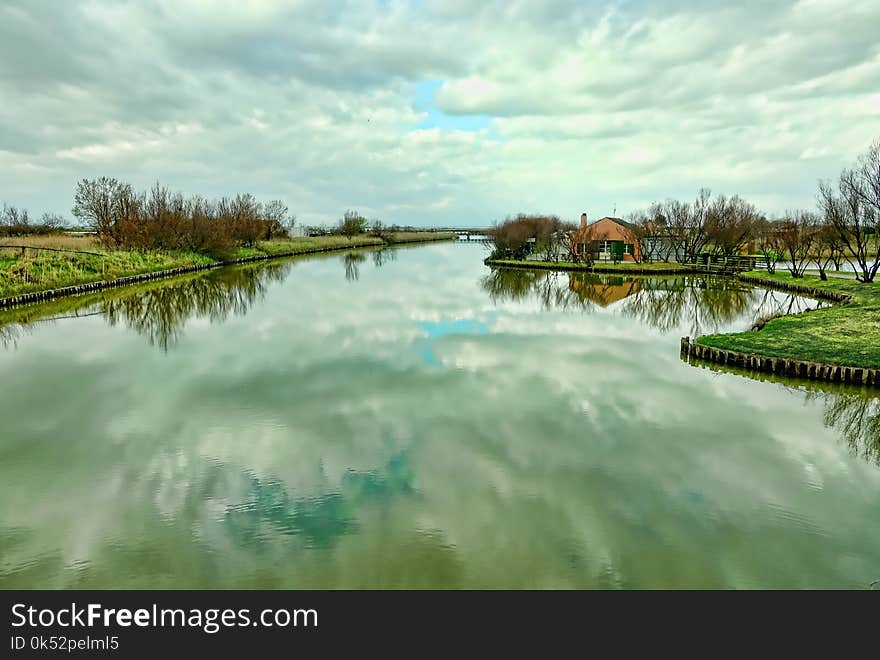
(856, 416)
(10, 333)
(159, 311)
(383, 256)
(851, 411)
(352, 262)
(160, 314)
(698, 304)
(518, 285)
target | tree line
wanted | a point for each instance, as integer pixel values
(161, 219)
(17, 222)
(843, 229)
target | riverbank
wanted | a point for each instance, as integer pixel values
(29, 275)
(837, 343)
(653, 268)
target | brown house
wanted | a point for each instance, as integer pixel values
(608, 239)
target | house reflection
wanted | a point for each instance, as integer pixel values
(603, 291)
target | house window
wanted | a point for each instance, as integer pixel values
(582, 248)
(628, 248)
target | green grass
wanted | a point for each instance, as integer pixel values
(305, 244)
(846, 334)
(40, 270)
(419, 236)
(70, 305)
(629, 267)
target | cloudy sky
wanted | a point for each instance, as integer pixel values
(437, 112)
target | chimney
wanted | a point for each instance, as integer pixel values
(583, 220)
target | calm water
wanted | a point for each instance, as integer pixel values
(408, 418)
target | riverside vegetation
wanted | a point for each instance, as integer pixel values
(132, 233)
(840, 242)
(846, 334)
(843, 231)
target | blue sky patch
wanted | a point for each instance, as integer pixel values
(423, 101)
(438, 329)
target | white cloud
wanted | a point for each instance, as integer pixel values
(591, 105)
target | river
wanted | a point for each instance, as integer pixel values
(409, 418)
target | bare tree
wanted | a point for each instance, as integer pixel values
(517, 236)
(853, 209)
(686, 224)
(797, 235)
(696, 234)
(12, 216)
(557, 241)
(768, 243)
(96, 203)
(828, 249)
(17, 222)
(730, 224)
(52, 221)
(379, 230)
(580, 247)
(275, 219)
(648, 236)
(352, 224)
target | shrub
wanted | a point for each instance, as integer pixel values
(164, 220)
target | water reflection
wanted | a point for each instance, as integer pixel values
(696, 304)
(160, 310)
(383, 256)
(160, 314)
(416, 435)
(853, 412)
(352, 262)
(552, 288)
(10, 334)
(856, 416)
(319, 521)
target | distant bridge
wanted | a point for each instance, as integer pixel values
(474, 237)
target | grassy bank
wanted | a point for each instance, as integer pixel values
(846, 334)
(653, 268)
(305, 245)
(24, 269)
(420, 236)
(28, 270)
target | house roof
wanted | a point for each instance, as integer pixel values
(613, 229)
(619, 221)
